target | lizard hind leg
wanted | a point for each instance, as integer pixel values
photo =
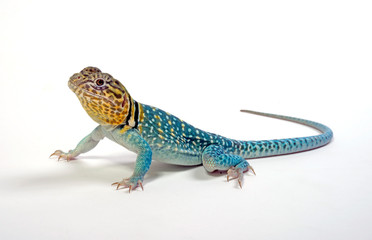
(215, 158)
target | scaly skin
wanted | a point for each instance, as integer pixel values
(155, 134)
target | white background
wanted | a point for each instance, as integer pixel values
(202, 61)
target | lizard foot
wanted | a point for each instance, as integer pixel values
(60, 154)
(130, 183)
(237, 173)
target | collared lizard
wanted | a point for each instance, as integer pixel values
(155, 134)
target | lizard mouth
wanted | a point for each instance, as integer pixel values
(72, 86)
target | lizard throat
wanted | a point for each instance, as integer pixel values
(101, 109)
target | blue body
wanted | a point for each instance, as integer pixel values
(177, 142)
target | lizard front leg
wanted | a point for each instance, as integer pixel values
(85, 145)
(133, 141)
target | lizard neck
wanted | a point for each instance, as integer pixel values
(134, 117)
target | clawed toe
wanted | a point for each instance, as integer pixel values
(116, 183)
(57, 153)
(60, 154)
(237, 173)
(251, 168)
(127, 183)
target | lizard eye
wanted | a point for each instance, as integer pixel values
(100, 82)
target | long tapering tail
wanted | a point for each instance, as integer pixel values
(255, 149)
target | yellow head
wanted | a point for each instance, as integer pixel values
(104, 98)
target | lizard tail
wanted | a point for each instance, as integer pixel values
(255, 149)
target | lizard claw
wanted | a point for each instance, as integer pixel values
(237, 173)
(116, 183)
(239, 180)
(55, 153)
(251, 168)
(128, 183)
(60, 154)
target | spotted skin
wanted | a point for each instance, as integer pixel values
(101, 96)
(155, 134)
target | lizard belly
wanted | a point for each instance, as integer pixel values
(174, 154)
(164, 151)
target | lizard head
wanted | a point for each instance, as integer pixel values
(104, 98)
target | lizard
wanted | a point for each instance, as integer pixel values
(156, 134)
